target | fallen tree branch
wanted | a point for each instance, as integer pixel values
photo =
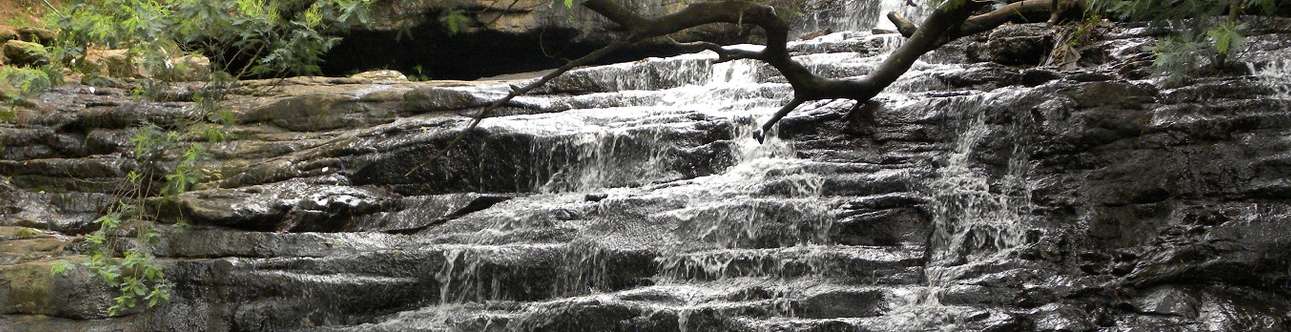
(952, 20)
(515, 92)
(758, 135)
(1017, 12)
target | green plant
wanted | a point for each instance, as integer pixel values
(27, 81)
(269, 37)
(1218, 35)
(18, 83)
(420, 74)
(454, 20)
(1177, 56)
(27, 232)
(1084, 30)
(128, 266)
(1226, 37)
(8, 115)
(241, 37)
(58, 268)
(119, 250)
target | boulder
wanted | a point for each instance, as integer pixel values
(118, 63)
(380, 76)
(36, 34)
(1016, 44)
(115, 63)
(189, 68)
(21, 53)
(7, 33)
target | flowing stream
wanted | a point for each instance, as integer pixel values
(697, 224)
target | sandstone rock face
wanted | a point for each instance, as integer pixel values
(976, 194)
(381, 76)
(118, 63)
(28, 34)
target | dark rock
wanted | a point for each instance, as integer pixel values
(36, 34)
(1019, 44)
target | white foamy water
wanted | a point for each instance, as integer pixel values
(757, 233)
(857, 15)
(1276, 76)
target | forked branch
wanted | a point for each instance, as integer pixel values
(952, 20)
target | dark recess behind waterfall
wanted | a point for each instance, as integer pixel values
(471, 55)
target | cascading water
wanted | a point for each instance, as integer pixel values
(974, 213)
(755, 233)
(857, 15)
(1276, 76)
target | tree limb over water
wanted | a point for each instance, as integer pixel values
(951, 20)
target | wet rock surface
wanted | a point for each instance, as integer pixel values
(979, 193)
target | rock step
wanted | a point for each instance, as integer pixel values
(924, 319)
(434, 273)
(752, 222)
(853, 264)
(804, 297)
(664, 308)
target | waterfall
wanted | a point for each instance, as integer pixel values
(743, 93)
(1276, 76)
(856, 15)
(975, 214)
(764, 219)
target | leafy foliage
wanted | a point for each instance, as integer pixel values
(242, 37)
(454, 20)
(1084, 31)
(27, 81)
(17, 83)
(119, 250)
(136, 276)
(1177, 56)
(1158, 9)
(1226, 37)
(268, 37)
(1176, 9)
(1218, 36)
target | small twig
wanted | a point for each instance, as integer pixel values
(766, 126)
(515, 92)
(585, 60)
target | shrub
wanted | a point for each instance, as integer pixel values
(28, 81)
(1214, 40)
(242, 37)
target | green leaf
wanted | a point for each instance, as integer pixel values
(134, 177)
(59, 267)
(1225, 37)
(454, 20)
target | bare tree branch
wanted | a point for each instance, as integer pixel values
(583, 61)
(766, 128)
(1021, 11)
(952, 20)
